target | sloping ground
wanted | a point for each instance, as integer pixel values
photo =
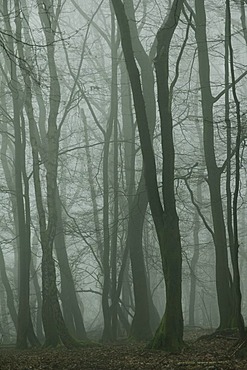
(210, 354)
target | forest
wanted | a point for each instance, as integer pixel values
(123, 181)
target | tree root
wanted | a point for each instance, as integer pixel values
(239, 349)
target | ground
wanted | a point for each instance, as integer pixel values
(212, 354)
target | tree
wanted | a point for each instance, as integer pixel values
(137, 198)
(170, 332)
(53, 322)
(232, 214)
(223, 276)
(25, 330)
(71, 310)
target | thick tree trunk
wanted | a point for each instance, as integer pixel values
(10, 183)
(140, 327)
(9, 292)
(5, 324)
(170, 333)
(53, 322)
(137, 200)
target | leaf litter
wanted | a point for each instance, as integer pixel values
(210, 353)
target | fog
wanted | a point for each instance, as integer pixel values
(123, 171)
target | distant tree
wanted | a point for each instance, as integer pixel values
(71, 310)
(25, 330)
(53, 322)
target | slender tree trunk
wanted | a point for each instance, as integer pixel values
(24, 328)
(38, 295)
(107, 332)
(92, 189)
(223, 282)
(114, 241)
(53, 322)
(195, 258)
(149, 241)
(71, 311)
(233, 215)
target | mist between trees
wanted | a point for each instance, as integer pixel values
(123, 170)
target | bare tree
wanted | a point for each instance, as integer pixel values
(170, 332)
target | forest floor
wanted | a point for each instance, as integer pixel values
(206, 353)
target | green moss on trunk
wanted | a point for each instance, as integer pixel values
(168, 336)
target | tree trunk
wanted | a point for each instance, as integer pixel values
(194, 260)
(9, 292)
(71, 310)
(223, 282)
(24, 327)
(38, 296)
(54, 326)
(233, 206)
(137, 200)
(114, 239)
(107, 332)
(6, 336)
(170, 333)
(53, 322)
(140, 327)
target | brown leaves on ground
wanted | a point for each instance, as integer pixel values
(213, 353)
